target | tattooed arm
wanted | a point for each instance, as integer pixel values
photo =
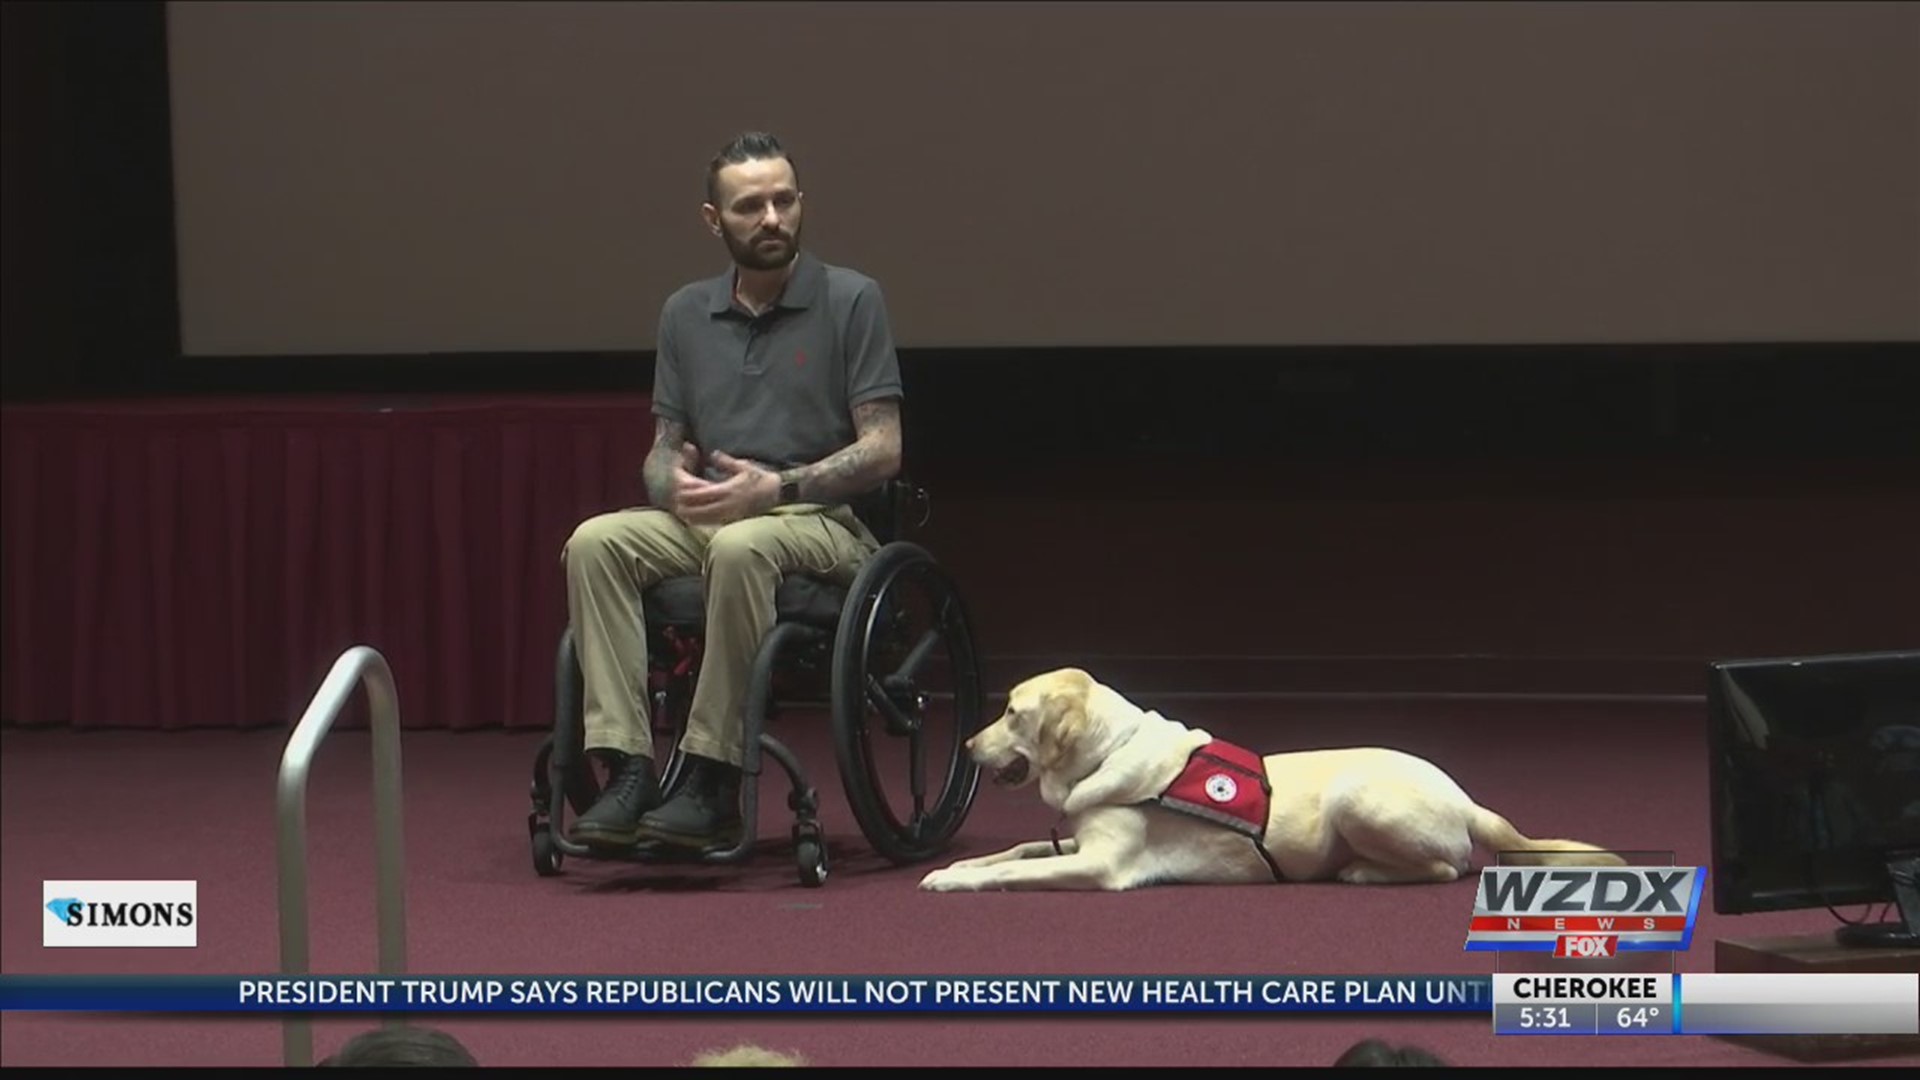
(670, 458)
(872, 459)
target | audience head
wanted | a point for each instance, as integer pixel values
(747, 1055)
(402, 1046)
(1374, 1052)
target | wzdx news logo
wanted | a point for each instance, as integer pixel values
(120, 914)
(1585, 913)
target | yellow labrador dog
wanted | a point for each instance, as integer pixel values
(1150, 800)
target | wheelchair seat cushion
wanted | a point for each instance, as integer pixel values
(682, 602)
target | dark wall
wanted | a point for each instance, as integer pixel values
(1544, 501)
(89, 270)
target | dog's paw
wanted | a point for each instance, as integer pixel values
(950, 879)
(1365, 874)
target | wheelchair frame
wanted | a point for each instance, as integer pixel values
(872, 614)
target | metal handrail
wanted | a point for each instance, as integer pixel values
(356, 665)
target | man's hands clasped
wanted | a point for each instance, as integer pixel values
(749, 489)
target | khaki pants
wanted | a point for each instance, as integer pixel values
(611, 558)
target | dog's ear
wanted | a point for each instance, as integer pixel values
(1063, 721)
(1075, 680)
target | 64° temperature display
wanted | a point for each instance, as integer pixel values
(1640, 1017)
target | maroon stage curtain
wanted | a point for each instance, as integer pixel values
(204, 563)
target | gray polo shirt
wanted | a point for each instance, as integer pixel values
(780, 388)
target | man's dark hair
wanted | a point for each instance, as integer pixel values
(752, 146)
(405, 1045)
(1374, 1052)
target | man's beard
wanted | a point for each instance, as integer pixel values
(753, 256)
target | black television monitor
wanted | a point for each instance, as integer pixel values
(1815, 773)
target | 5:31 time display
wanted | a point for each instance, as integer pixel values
(1546, 1017)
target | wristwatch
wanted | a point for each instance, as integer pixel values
(789, 492)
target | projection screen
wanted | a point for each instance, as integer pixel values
(411, 178)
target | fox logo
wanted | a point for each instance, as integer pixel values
(1585, 946)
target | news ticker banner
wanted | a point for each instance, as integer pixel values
(1530, 1004)
(943, 994)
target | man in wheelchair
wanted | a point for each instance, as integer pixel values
(776, 401)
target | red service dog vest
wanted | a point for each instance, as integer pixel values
(1227, 785)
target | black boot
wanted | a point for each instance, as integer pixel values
(704, 812)
(613, 822)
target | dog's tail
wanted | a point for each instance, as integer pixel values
(1497, 834)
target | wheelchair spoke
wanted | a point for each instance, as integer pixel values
(897, 721)
(910, 667)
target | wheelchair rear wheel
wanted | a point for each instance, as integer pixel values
(906, 697)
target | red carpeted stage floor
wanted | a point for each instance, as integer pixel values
(199, 804)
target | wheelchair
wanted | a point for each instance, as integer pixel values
(870, 652)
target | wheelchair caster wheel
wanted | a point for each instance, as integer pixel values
(812, 857)
(546, 854)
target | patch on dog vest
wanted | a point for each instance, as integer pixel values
(1227, 785)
